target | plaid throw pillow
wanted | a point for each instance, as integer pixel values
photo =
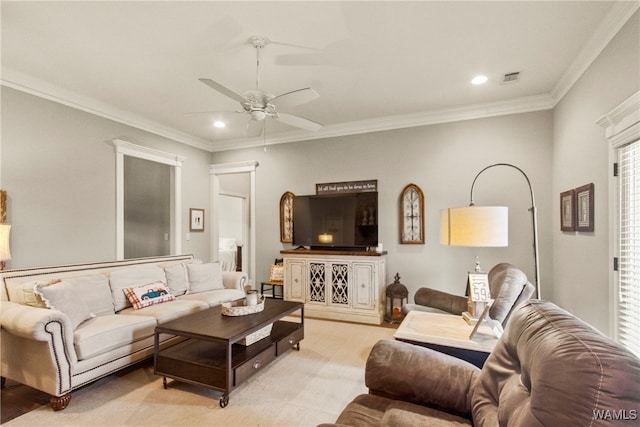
(144, 296)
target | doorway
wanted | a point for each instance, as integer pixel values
(235, 179)
(234, 230)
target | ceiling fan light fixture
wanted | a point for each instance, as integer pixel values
(257, 103)
(480, 79)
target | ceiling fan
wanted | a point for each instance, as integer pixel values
(261, 105)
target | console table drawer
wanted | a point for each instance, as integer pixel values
(289, 341)
(254, 364)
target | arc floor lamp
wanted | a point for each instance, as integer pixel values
(486, 226)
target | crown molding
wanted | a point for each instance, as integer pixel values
(455, 114)
(622, 124)
(33, 86)
(617, 17)
(619, 14)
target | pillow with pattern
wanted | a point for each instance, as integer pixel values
(144, 296)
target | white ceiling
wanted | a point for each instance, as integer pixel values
(376, 65)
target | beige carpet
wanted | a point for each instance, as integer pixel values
(302, 388)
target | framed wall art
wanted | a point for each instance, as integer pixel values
(196, 219)
(567, 210)
(412, 215)
(286, 217)
(584, 208)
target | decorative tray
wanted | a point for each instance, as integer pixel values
(239, 307)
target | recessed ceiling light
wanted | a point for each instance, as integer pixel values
(219, 124)
(478, 80)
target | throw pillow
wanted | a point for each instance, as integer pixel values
(227, 244)
(177, 279)
(277, 273)
(62, 297)
(132, 277)
(23, 293)
(204, 277)
(94, 290)
(144, 296)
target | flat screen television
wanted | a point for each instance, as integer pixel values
(336, 221)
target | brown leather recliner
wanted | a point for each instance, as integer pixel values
(549, 368)
(508, 286)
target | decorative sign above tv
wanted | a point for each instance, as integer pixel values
(370, 186)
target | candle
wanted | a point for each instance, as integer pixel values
(325, 238)
(252, 298)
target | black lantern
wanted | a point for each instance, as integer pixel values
(396, 296)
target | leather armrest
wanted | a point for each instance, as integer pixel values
(403, 371)
(453, 304)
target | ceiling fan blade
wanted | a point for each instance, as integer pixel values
(299, 122)
(213, 113)
(254, 128)
(296, 97)
(224, 90)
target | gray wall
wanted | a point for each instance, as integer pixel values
(58, 168)
(442, 160)
(582, 262)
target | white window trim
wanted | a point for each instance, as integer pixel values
(622, 126)
(125, 148)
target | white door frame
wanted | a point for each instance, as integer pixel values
(231, 168)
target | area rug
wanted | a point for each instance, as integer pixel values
(300, 388)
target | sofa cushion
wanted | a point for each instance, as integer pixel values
(204, 277)
(215, 297)
(168, 311)
(63, 297)
(132, 277)
(105, 333)
(371, 410)
(507, 283)
(146, 295)
(545, 356)
(23, 293)
(94, 290)
(177, 278)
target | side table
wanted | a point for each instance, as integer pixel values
(273, 286)
(447, 334)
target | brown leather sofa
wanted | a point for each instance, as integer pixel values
(508, 287)
(548, 369)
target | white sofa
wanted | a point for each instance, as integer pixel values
(66, 326)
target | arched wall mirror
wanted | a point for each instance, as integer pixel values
(231, 180)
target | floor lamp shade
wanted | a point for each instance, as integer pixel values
(475, 226)
(5, 252)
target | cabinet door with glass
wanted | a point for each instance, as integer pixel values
(339, 273)
(317, 282)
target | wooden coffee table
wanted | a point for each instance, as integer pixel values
(447, 334)
(211, 354)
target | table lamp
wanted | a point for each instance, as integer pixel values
(5, 252)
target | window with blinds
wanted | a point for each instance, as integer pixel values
(628, 313)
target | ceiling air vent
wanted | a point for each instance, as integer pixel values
(511, 77)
